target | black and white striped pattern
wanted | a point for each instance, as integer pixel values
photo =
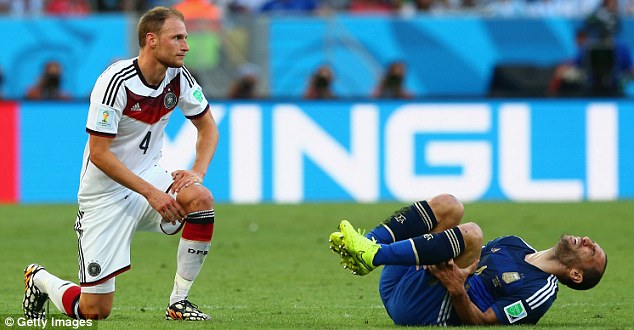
(427, 219)
(542, 295)
(80, 254)
(188, 76)
(115, 82)
(453, 240)
(445, 310)
(77, 315)
(201, 217)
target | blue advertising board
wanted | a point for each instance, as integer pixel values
(517, 150)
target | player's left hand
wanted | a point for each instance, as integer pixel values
(451, 276)
(184, 178)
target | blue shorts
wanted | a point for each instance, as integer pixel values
(412, 296)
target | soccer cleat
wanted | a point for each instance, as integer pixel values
(185, 310)
(360, 249)
(34, 298)
(337, 246)
(336, 243)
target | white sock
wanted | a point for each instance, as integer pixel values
(54, 286)
(190, 258)
(181, 289)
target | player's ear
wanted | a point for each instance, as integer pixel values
(576, 275)
(151, 39)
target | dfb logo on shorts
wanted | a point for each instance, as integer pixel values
(94, 269)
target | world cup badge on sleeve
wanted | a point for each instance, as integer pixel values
(105, 117)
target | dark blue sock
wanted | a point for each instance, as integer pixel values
(399, 253)
(410, 221)
(380, 234)
(440, 247)
(428, 249)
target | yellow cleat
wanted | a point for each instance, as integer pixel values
(359, 249)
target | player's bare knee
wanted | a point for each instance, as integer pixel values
(196, 198)
(447, 209)
(472, 235)
(95, 306)
(103, 314)
(95, 312)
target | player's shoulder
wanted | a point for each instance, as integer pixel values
(119, 69)
(511, 241)
(109, 82)
(543, 289)
(182, 73)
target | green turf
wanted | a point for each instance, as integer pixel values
(270, 266)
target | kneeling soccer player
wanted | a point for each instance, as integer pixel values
(123, 189)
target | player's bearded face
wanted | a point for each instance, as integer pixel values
(565, 253)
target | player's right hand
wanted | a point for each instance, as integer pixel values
(166, 206)
(451, 276)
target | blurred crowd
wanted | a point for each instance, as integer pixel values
(603, 64)
(493, 8)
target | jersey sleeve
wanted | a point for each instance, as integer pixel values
(527, 306)
(192, 101)
(107, 101)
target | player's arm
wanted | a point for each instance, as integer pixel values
(206, 143)
(107, 162)
(453, 278)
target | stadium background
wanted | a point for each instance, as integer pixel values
(270, 266)
(452, 136)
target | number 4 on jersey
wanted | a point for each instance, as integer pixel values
(145, 144)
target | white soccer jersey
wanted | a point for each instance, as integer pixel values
(123, 106)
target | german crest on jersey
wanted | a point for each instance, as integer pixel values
(170, 100)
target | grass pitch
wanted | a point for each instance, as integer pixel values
(270, 266)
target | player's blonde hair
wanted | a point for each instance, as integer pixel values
(152, 21)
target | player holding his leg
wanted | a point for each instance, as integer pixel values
(123, 189)
(436, 271)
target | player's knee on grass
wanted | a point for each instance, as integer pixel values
(95, 306)
(195, 198)
(472, 236)
(448, 211)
